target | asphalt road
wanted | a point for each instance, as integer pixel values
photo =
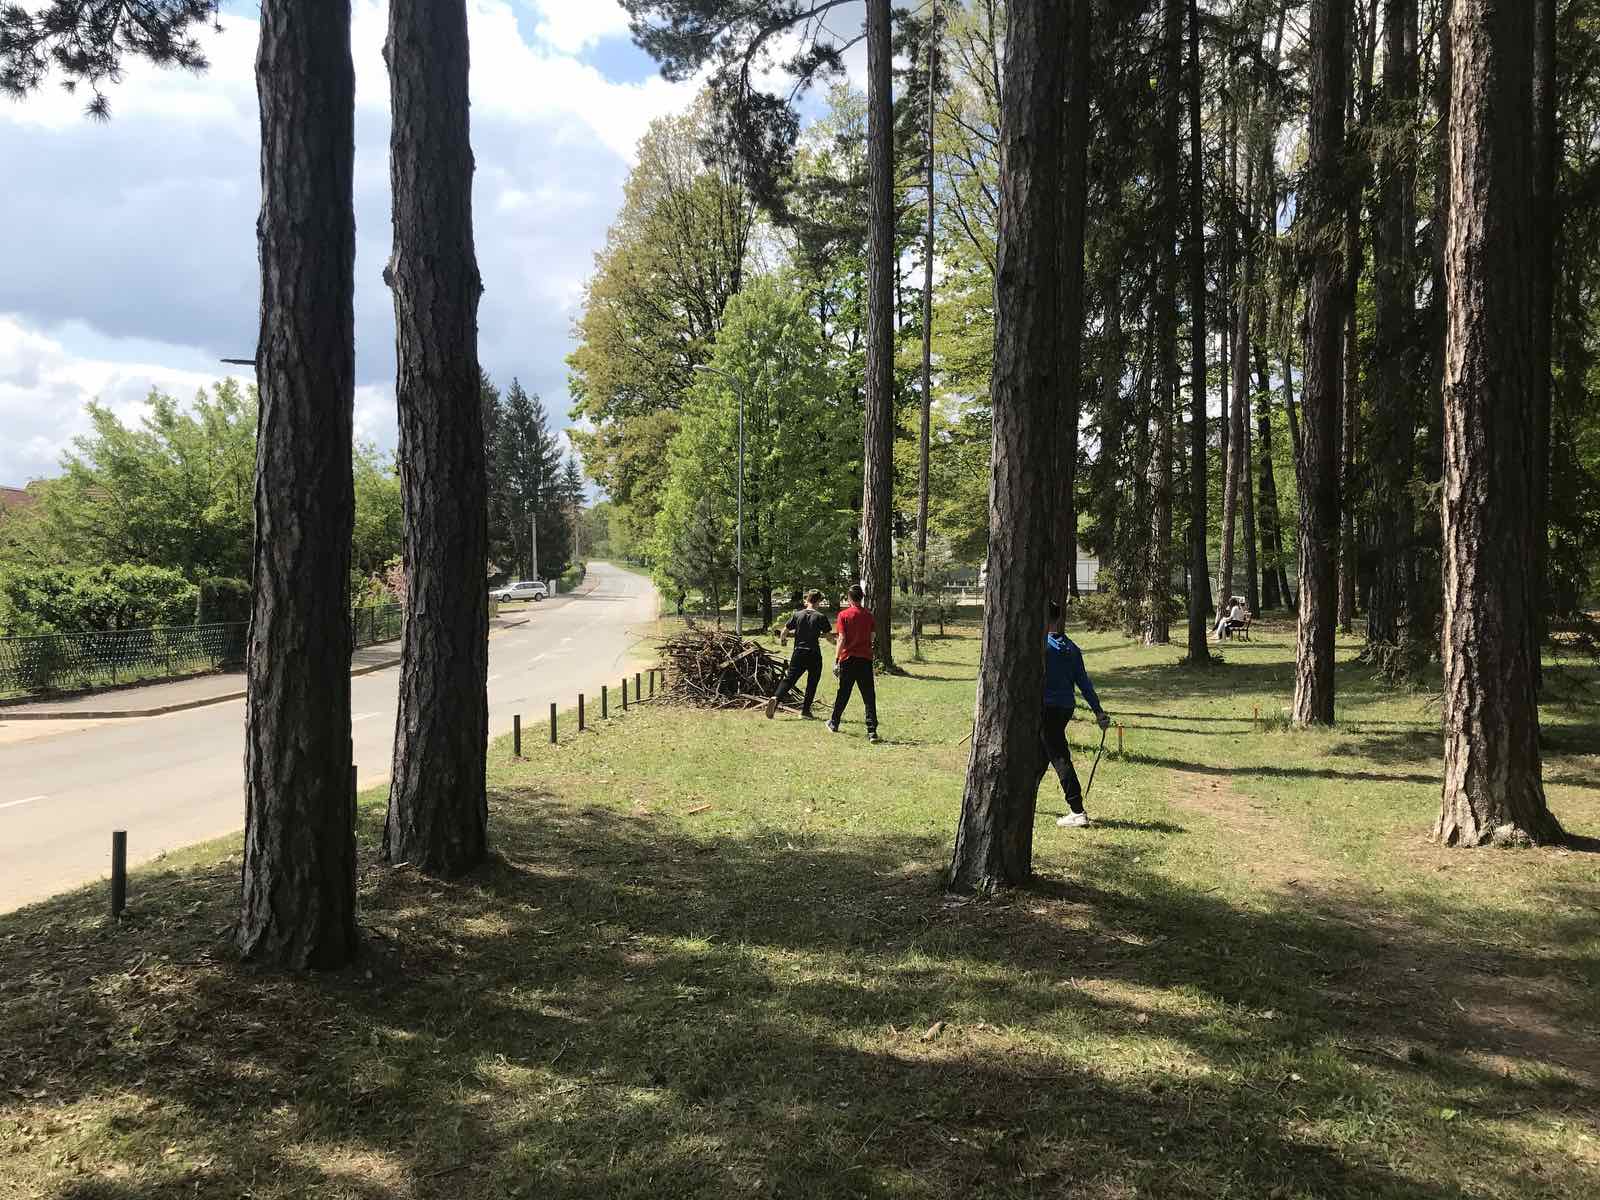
(174, 780)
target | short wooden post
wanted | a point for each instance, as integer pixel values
(119, 872)
(605, 706)
(552, 722)
(1119, 739)
(652, 683)
(624, 693)
(638, 694)
(516, 735)
(580, 712)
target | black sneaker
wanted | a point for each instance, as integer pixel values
(874, 738)
(832, 728)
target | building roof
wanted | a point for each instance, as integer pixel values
(13, 497)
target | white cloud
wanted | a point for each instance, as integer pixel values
(572, 26)
(44, 387)
(129, 246)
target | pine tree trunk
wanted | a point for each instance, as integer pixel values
(1238, 442)
(1113, 421)
(1546, 154)
(1274, 588)
(1347, 466)
(877, 492)
(438, 809)
(298, 884)
(1319, 433)
(924, 430)
(1199, 568)
(1133, 558)
(1425, 597)
(1252, 589)
(994, 840)
(1158, 587)
(1492, 786)
(1394, 397)
(1064, 540)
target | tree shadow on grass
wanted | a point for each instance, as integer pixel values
(614, 1006)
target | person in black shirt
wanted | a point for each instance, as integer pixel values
(808, 626)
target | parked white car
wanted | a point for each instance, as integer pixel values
(522, 589)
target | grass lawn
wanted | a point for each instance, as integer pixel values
(711, 958)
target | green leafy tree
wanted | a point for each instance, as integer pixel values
(802, 470)
(172, 491)
(376, 537)
(673, 258)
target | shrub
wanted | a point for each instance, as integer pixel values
(222, 601)
(84, 599)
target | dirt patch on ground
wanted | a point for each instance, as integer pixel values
(1505, 1016)
(1270, 850)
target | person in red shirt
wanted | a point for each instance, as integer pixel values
(854, 628)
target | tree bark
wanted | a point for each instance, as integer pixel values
(1199, 568)
(994, 840)
(1158, 588)
(1492, 786)
(1238, 443)
(1394, 398)
(877, 490)
(298, 884)
(1074, 191)
(924, 433)
(1546, 154)
(1319, 433)
(438, 817)
(1425, 594)
(1274, 583)
(1347, 436)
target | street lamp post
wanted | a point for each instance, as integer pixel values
(738, 534)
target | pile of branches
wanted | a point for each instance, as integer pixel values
(711, 669)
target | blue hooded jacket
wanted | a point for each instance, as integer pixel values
(1064, 671)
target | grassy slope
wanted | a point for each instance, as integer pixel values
(1252, 978)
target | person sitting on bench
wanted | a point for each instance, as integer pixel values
(1235, 620)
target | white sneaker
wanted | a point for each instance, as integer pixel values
(1073, 820)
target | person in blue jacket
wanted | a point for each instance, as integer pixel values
(1064, 675)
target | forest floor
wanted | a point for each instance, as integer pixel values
(711, 957)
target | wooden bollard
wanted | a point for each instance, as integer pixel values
(605, 706)
(624, 693)
(652, 683)
(552, 722)
(516, 735)
(637, 694)
(580, 712)
(119, 872)
(1119, 739)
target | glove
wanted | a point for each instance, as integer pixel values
(1103, 721)
(836, 670)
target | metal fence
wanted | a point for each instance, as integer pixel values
(72, 661)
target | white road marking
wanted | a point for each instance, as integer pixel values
(24, 800)
(364, 716)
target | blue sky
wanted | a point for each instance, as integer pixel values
(129, 246)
